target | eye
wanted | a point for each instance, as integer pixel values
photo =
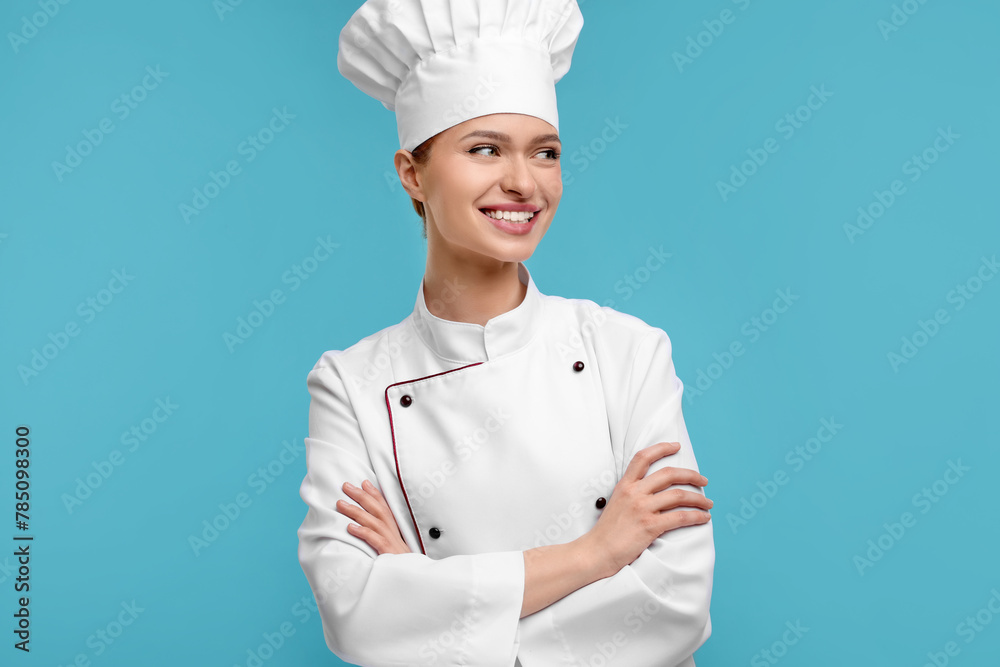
(552, 152)
(484, 147)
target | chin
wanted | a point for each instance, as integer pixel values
(497, 246)
(508, 254)
(513, 250)
(523, 257)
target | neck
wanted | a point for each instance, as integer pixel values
(467, 290)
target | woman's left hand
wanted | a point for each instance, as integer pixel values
(377, 524)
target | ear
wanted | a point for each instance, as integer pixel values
(406, 167)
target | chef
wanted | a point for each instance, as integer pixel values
(475, 472)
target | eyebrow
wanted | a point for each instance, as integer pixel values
(505, 138)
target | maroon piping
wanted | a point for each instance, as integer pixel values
(393, 432)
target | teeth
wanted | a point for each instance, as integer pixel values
(510, 216)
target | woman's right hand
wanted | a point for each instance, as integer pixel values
(634, 515)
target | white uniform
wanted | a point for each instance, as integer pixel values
(487, 441)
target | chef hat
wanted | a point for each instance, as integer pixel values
(438, 63)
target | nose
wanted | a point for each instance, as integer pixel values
(517, 177)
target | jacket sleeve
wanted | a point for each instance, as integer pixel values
(655, 611)
(393, 609)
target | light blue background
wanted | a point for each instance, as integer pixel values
(329, 174)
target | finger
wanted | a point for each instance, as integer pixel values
(352, 491)
(352, 511)
(642, 459)
(376, 495)
(381, 507)
(382, 542)
(674, 520)
(369, 502)
(363, 517)
(370, 536)
(371, 530)
(668, 476)
(377, 514)
(355, 492)
(672, 498)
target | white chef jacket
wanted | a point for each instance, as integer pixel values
(487, 441)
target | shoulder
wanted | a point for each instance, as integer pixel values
(364, 354)
(605, 325)
(627, 351)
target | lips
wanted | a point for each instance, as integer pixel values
(509, 227)
(509, 206)
(519, 214)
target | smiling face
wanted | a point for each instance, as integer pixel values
(500, 165)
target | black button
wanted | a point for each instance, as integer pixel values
(405, 401)
(601, 502)
(435, 533)
(578, 366)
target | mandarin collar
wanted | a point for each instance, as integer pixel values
(468, 342)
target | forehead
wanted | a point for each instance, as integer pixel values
(503, 127)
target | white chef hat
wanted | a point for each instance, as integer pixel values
(438, 63)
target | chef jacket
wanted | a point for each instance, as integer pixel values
(486, 441)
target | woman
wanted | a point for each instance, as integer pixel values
(487, 480)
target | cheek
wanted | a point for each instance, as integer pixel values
(462, 189)
(554, 187)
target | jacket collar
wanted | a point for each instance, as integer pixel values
(467, 342)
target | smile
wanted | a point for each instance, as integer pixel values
(511, 222)
(512, 216)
